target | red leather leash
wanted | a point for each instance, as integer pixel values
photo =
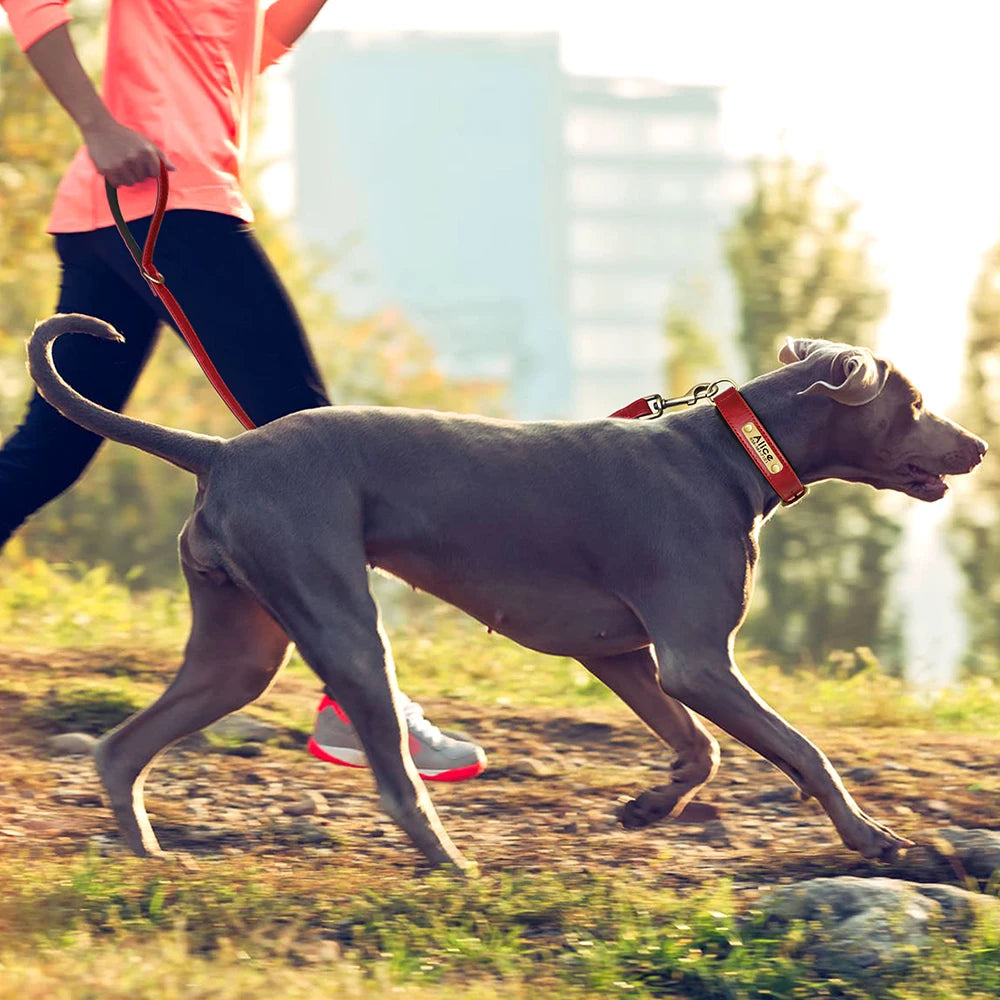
(742, 421)
(144, 261)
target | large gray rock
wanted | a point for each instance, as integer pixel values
(977, 850)
(868, 926)
(241, 726)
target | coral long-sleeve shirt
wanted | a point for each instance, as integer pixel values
(181, 73)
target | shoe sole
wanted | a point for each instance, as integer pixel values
(348, 757)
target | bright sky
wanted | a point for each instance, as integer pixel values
(898, 99)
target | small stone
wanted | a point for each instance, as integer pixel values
(525, 767)
(862, 775)
(241, 726)
(311, 803)
(73, 743)
(307, 832)
(244, 750)
(977, 850)
(937, 806)
(785, 793)
(76, 797)
(714, 832)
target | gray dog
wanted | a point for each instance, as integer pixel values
(629, 545)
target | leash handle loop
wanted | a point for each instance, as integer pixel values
(144, 261)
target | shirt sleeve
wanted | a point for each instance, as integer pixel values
(272, 48)
(30, 19)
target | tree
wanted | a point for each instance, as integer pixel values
(976, 522)
(800, 270)
(692, 354)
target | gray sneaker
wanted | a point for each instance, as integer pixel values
(437, 757)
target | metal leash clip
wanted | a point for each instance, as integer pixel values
(703, 390)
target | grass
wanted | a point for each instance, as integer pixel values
(128, 928)
(439, 651)
(287, 924)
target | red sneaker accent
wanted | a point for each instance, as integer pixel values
(458, 774)
(317, 751)
(455, 774)
(328, 702)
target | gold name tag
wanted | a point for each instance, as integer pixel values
(761, 447)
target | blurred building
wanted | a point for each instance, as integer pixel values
(648, 193)
(531, 224)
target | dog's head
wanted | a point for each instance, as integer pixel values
(883, 434)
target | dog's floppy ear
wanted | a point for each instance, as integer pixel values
(856, 376)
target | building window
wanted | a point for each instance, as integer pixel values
(624, 295)
(617, 345)
(613, 241)
(620, 187)
(589, 130)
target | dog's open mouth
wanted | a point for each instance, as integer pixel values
(922, 483)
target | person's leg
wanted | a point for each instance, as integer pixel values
(234, 299)
(47, 453)
(225, 284)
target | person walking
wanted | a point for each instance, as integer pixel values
(178, 85)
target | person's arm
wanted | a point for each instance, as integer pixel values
(284, 23)
(120, 154)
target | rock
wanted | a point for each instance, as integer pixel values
(311, 803)
(76, 797)
(524, 767)
(244, 750)
(872, 925)
(241, 726)
(715, 832)
(937, 806)
(862, 775)
(73, 743)
(784, 793)
(977, 850)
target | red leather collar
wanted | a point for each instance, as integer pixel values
(759, 445)
(746, 427)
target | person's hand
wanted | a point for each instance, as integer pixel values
(121, 155)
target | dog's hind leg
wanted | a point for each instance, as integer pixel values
(633, 677)
(234, 652)
(323, 602)
(351, 654)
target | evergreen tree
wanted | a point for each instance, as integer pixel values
(976, 523)
(800, 270)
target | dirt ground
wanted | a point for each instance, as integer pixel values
(546, 802)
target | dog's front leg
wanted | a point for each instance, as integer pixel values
(633, 677)
(706, 679)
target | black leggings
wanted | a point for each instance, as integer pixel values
(227, 287)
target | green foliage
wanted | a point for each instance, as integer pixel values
(76, 606)
(84, 708)
(569, 934)
(976, 524)
(439, 652)
(801, 271)
(692, 354)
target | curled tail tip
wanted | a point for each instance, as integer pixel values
(61, 323)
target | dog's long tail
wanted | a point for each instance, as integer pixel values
(194, 452)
